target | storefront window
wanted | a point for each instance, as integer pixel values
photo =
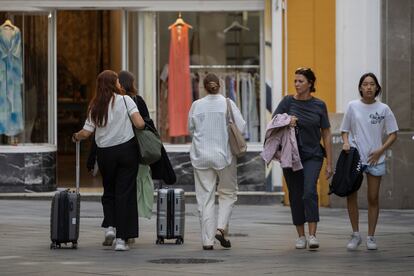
(224, 43)
(88, 42)
(23, 78)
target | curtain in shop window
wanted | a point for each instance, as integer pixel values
(179, 84)
(11, 78)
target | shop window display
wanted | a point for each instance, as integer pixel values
(23, 78)
(229, 46)
(88, 42)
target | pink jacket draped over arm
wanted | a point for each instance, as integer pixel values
(280, 143)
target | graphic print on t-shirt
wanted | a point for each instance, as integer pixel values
(376, 118)
(366, 125)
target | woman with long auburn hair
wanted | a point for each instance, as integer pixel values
(108, 117)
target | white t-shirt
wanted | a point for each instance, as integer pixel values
(207, 123)
(118, 128)
(366, 125)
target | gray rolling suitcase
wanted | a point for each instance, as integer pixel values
(170, 215)
(65, 213)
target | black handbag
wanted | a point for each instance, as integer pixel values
(149, 143)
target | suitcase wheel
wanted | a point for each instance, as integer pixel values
(179, 241)
(74, 245)
(159, 241)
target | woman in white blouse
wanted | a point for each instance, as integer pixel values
(211, 158)
(117, 157)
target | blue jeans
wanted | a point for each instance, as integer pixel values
(303, 195)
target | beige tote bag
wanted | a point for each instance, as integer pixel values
(237, 142)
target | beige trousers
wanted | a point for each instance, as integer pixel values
(205, 187)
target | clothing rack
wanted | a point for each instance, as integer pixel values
(224, 66)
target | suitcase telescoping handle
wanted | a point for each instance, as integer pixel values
(77, 165)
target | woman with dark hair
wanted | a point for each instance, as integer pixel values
(211, 157)
(160, 170)
(363, 126)
(127, 82)
(116, 147)
(309, 116)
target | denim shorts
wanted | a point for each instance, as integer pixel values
(375, 170)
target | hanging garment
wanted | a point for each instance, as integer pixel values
(232, 93)
(243, 89)
(253, 112)
(238, 91)
(244, 92)
(222, 85)
(179, 84)
(11, 79)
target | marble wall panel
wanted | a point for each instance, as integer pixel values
(250, 171)
(11, 172)
(20, 172)
(33, 169)
(397, 57)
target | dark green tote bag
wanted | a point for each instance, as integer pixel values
(149, 143)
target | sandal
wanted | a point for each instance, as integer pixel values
(220, 237)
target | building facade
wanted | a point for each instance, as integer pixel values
(255, 44)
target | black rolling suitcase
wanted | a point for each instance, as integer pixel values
(170, 215)
(65, 213)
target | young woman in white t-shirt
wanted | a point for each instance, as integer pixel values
(117, 157)
(363, 127)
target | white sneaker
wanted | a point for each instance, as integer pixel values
(301, 242)
(120, 245)
(354, 242)
(110, 233)
(371, 243)
(313, 242)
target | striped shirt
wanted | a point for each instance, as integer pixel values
(207, 124)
